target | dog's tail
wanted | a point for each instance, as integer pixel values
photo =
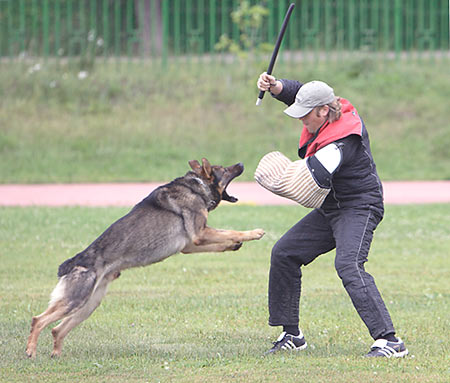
(81, 259)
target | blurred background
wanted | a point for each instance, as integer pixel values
(130, 90)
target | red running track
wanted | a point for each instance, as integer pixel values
(128, 194)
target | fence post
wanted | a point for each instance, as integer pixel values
(212, 26)
(201, 43)
(445, 22)
(117, 28)
(351, 26)
(176, 27)
(45, 29)
(165, 31)
(328, 29)
(271, 20)
(398, 27)
(57, 9)
(223, 22)
(105, 29)
(188, 21)
(340, 26)
(15, 35)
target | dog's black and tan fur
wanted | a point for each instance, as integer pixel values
(172, 219)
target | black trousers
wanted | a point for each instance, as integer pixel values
(350, 231)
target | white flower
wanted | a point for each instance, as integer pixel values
(34, 68)
(82, 75)
(91, 35)
(100, 42)
(53, 84)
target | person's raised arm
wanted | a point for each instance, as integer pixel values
(283, 90)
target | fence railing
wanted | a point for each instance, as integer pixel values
(173, 28)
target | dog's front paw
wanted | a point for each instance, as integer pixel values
(258, 233)
(31, 353)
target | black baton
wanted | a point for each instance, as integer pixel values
(277, 48)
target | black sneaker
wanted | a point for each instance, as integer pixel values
(385, 349)
(288, 342)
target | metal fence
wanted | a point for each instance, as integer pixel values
(169, 29)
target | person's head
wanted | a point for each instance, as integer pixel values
(314, 104)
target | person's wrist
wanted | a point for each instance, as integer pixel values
(274, 88)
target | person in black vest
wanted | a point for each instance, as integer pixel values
(335, 143)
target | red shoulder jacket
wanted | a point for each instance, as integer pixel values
(348, 124)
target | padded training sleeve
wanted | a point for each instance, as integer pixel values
(288, 179)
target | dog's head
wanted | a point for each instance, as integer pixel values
(217, 177)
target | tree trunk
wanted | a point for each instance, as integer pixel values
(149, 16)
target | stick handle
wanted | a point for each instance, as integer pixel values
(277, 48)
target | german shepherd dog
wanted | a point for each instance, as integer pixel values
(170, 220)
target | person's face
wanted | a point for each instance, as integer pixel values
(314, 119)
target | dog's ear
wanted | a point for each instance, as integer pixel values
(206, 168)
(195, 166)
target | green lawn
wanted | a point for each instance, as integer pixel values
(203, 318)
(141, 122)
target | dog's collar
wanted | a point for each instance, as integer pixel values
(211, 204)
(200, 181)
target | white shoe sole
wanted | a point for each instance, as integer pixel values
(401, 354)
(302, 347)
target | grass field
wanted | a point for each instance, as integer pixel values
(203, 318)
(141, 122)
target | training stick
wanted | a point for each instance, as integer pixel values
(277, 48)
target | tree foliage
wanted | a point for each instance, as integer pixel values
(249, 20)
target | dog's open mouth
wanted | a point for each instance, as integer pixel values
(232, 172)
(227, 197)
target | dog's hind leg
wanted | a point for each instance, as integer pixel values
(70, 295)
(56, 311)
(60, 331)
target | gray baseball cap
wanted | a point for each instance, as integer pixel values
(310, 95)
